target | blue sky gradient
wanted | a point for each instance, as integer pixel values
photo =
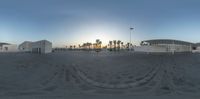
(66, 22)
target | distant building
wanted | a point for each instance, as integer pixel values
(6, 47)
(196, 48)
(165, 45)
(40, 47)
(197, 45)
(43, 46)
(26, 46)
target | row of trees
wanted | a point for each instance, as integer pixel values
(117, 45)
(114, 45)
(91, 46)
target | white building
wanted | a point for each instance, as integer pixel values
(196, 48)
(164, 45)
(149, 49)
(5, 47)
(25, 46)
(42, 46)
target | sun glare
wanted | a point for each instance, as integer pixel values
(93, 33)
(93, 36)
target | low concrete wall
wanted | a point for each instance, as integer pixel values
(195, 51)
(149, 49)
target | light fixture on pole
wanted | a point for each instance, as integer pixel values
(130, 33)
(131, 28)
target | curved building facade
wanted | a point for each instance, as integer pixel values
(166, 45)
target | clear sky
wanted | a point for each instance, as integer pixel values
(66, 22)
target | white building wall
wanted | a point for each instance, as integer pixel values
(175, 47)
(9, 48)
(197, 50)
(42, 46)
(1, 49)
(149, 49)
(25, 46)
(163, 48)
(48, 47)
(38, 47)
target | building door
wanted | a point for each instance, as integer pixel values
(36, 50)
(39, 50)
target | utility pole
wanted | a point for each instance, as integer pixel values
(130, 37)
(174, 48)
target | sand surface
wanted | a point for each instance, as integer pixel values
(117, 75)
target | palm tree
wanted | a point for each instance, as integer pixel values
(115, 42)
(110, 44)
(79, 46)
(88, 45)
(98, 45)
(97, 40)
(128, 46)
(118, 44)
(70, 47)
(131, 46)
(84, 46)
(74, 46)
(122, 44)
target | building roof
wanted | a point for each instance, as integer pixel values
(197, 44)
(168, 41)
(42, 41)
(1, 44)
(27, 42)
(30, 42)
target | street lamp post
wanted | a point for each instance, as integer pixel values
(130, 37)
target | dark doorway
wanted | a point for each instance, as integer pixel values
(6, 48)
(36, 50)
(39, 50)
(194, 48)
